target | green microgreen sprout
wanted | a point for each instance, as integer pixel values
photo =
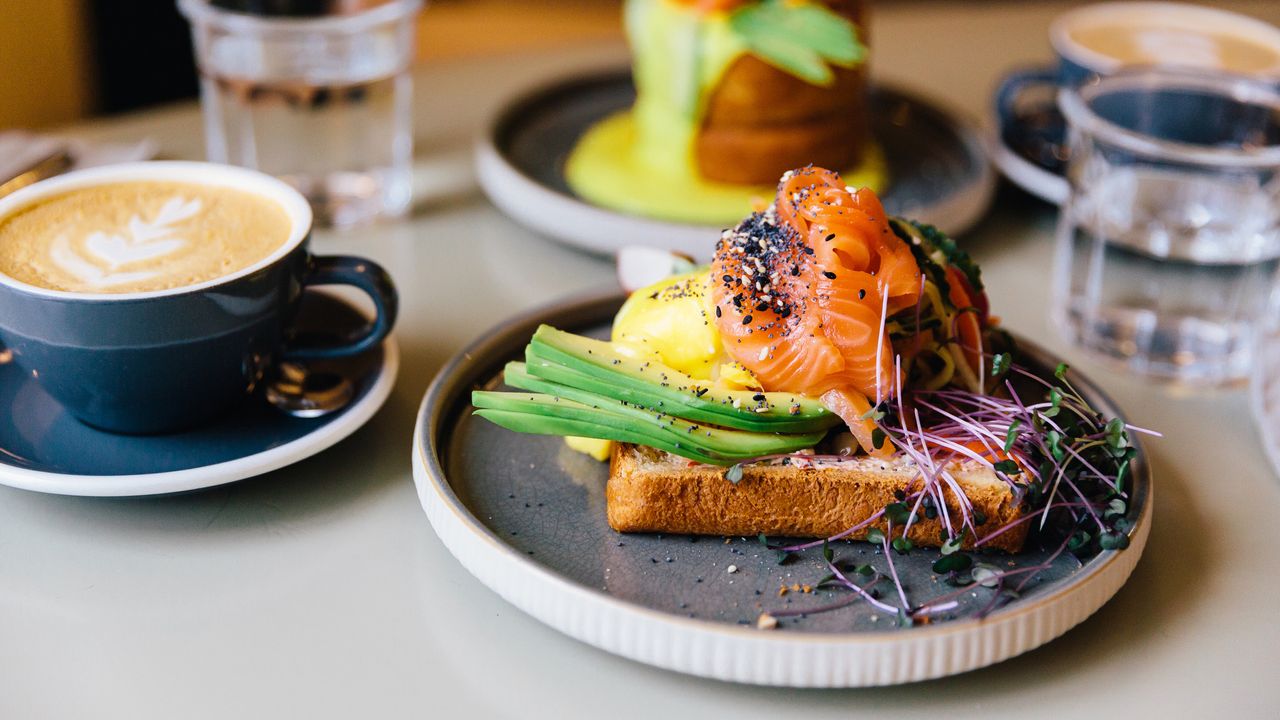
(897, 512)
(1011, 436)
(1008, 467)
(999, 364)
(875, 414)
(877, 438)
(956, 562)
(781, 555)
(1055, 404)
(952, 544)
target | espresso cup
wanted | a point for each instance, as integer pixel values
(1098, 40)
(129, 326)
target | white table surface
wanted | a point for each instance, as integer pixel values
(321, 591)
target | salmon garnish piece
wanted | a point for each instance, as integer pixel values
(803, 290)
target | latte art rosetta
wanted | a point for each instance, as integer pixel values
(139, 236)
(146, 242)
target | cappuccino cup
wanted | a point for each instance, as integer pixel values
(150, 297)
(1098, 40)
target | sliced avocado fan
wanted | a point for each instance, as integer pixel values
(596, 366)
(573, 385)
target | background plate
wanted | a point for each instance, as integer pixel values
(938, 169)
(527, 517)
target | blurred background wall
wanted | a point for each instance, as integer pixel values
(67, 59)
(45, 59)
(63, 60)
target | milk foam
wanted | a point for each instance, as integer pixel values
(1169, 46)
(147, 241)
(139, 236)
(1107, 35)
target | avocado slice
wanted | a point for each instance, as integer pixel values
(718, 441)
(550, 425)
(526, 413)
(596, 366)
(551, 415)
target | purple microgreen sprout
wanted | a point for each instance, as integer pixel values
(1059, 456)
(893, 572)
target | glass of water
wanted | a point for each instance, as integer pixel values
(1168, 248)
(313, 92)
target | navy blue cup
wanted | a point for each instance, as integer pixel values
(160, 361)
(1073, 64)
(1177, 33)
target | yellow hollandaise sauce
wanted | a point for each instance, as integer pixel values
(641, 161)
(672, 322)
(607, 169)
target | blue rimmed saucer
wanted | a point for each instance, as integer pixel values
(1029, 145)
(44, 449)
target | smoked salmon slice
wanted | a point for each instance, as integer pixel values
(802, 291)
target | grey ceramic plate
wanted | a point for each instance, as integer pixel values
(938, 169)
(543, 506)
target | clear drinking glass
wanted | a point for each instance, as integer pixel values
(1168, 248)
(323, 102)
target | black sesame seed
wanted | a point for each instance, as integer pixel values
(717, 311)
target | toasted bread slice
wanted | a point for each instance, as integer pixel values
(652, 491)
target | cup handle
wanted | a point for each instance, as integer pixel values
(1015, 83)
(365, 275)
